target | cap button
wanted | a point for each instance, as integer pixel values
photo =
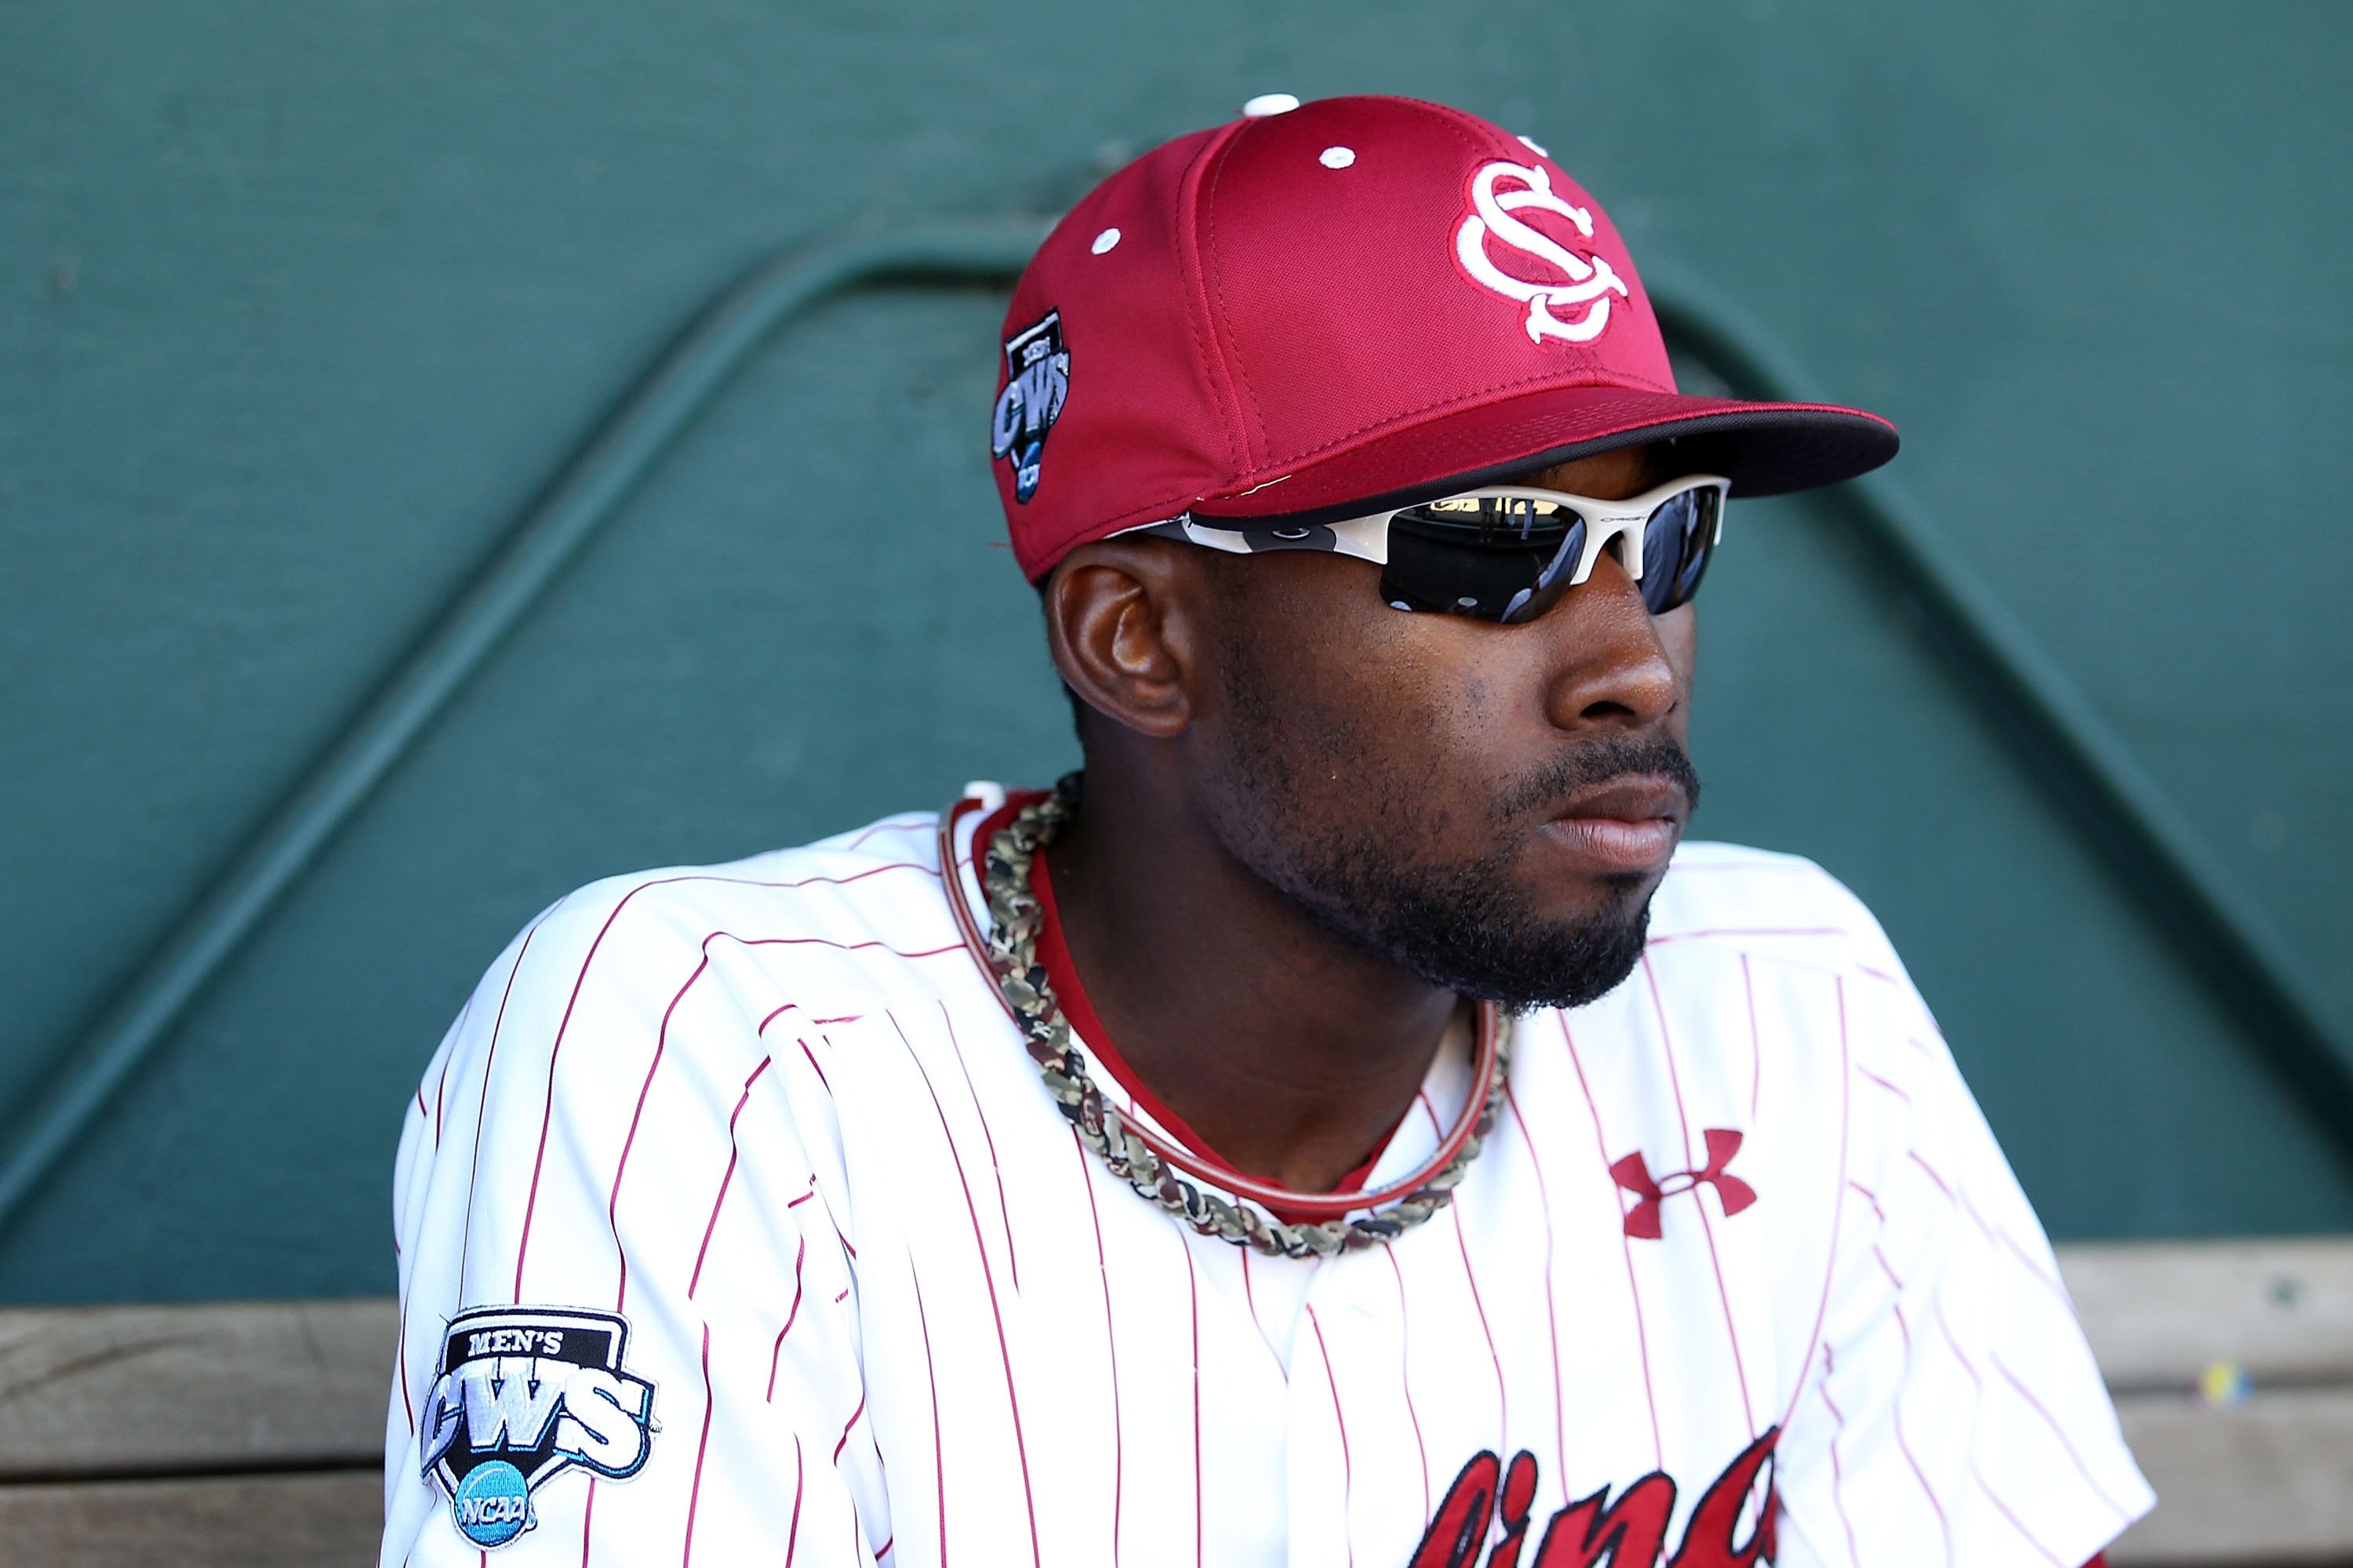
(1267, 103)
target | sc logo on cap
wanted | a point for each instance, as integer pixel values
(1587, 281)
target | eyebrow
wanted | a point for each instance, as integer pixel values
(1656, 468)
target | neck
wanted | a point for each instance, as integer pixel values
(1289, 1052)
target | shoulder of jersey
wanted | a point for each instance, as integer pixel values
(874, 889)
(1732, 893)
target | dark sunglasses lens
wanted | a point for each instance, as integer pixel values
(1676, 544)
(1490, 558)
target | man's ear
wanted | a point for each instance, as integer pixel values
(1124, 622)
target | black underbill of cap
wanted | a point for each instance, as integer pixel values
(1763, 451)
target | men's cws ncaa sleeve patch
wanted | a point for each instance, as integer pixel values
(524, 1394)
(1740, 1275)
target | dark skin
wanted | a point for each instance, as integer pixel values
(1290, 1051)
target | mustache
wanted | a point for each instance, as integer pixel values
(1601, 762)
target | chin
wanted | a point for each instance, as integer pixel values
(1591, 898)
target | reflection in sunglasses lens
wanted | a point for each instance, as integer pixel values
(1675, 546)
(1511, 558)
(1485, 556)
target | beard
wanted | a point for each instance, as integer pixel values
(1463, 925)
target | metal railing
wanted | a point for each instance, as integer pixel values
(2108, 798)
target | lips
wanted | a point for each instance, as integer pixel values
(1629, 825)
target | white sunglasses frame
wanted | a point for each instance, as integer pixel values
(1367, 537)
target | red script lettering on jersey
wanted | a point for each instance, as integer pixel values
(1594, 1531)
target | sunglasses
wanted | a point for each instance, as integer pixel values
(1508, 552)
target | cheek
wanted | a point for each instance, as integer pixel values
(1679, 635)
(1455, 709)
(1373, 706)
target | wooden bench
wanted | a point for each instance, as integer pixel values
(251, 1433)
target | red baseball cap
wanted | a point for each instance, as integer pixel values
(1351, 304)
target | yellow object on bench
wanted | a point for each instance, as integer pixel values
(2265, 1473)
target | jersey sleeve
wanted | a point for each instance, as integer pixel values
(1952, 1401)
(628, 1304)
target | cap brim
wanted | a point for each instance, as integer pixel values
(1763, 448)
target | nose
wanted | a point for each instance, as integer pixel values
(1610, 668)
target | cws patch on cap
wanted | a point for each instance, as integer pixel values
(1355, 303)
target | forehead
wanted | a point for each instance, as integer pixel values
(1606, 476)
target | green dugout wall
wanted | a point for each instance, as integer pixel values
(303, 310)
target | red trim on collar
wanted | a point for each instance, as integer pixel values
(1071, 993)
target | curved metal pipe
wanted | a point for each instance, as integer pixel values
(2220, 926)
(2221, 932)
(588, 492)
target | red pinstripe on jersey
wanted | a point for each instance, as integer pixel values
(441, 1078)
(1976, 1475)
(482, 1106)
(902, 823)
(815, 1065)
(530, 1204)
(735, 1153)
(1755, 1043)
(1339, 1420)
(1706, 1224)
(1110, 1341)
(1838, 1472)
(1896, 1089)
(1250, 1299)
(661, 1041)
(1405, 1378)
(1470, 1278)
(1626, 1246)
(621, 1166)
(931, 1384)
(2124, 1515)
(995, 1166)
(1868, 1197)
(1552, 1311)
(701, 1453)
(800, 1485)
(792, 1313)
(1895, 1409)
(988, 1276)
(848, 1427)
(408, 1405)
(1838, 1216)
(665, 1003)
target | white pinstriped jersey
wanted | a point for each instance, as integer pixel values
(736, 1226)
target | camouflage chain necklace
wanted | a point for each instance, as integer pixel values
(1011, 949)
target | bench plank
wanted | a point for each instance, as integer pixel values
(2158, 1314)
(131, 1391)
(92, 1398)
(2263, 1480)
(330, 1519)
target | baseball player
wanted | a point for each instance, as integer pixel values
(1347, 1125)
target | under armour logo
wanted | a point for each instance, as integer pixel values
(1587, 281)
(1634, 1175)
